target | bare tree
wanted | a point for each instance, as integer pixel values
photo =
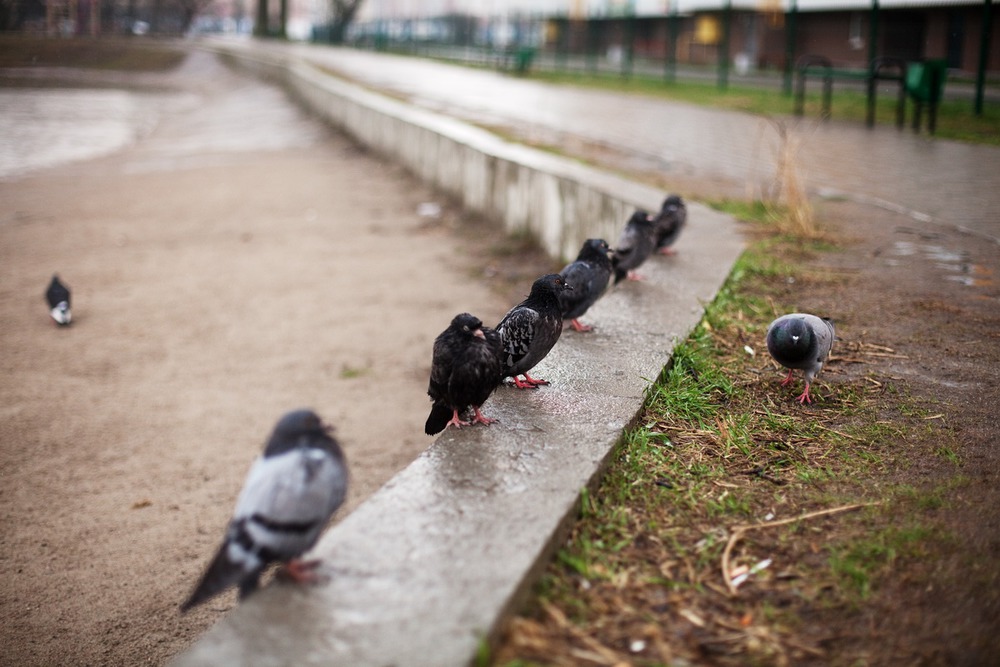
(342, 13)
(188, 10)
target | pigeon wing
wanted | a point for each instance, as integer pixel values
(517, 331)
(288, 499)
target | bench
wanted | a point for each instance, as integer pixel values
(881, 69)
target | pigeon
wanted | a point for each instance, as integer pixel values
(588, 276)
(289, 495)
(57, 296)
(800, 341)
(464, 372)
(635, 245)
(530, 329)
(669, 223)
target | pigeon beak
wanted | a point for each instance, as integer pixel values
(478, 333)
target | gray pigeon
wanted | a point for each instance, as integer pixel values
(289, 495)
(465, 370)
(800, 341)
(634, 247)
(669, 223)
(57, 296)
(588, 276)
(530, 329)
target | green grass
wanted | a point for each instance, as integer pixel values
(955, 120)
(861, 563)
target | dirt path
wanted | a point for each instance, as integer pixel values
(222, 274)
(931, 295)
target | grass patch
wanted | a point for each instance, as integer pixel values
(727, 484)
(956, 119)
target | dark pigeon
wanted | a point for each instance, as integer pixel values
(57, 296)
(289, 495)
(800, 341)
(530, 329)
(635, 245)
(669, 223)
(588, 276)
(464, 372)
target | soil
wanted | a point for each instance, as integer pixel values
(930, 294)
(215, 286)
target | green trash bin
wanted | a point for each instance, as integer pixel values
(522, 59)
(925, 84)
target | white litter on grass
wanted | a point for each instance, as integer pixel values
(744, 572)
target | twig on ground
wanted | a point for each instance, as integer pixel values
(739, 531)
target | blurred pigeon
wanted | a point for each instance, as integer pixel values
(588, 276)
(57, 296)
(530, 329)
(800, 341)
(635, 245)
(289, 495)
(464, 372)
(669, 223)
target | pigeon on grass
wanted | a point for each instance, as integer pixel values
(465, 370)
(530, 329)
(289, 495)
(588, 276)
(634, 247)
(57, 296)
(800, 341)
(669, 223)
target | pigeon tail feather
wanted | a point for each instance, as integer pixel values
(222, 573)
(438, 419)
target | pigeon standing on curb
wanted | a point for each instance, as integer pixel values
(800, 341)
(530, 329)
(669, 223)
(588, 276)
(57, 296)
(289, 495)
(464, 372)
(634, 247)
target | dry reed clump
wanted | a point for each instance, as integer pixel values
(786, 196)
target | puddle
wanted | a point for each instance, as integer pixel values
(957, 265)
(44, 128)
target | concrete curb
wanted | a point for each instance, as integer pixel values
(427, 568)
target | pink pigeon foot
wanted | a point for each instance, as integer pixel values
(528, 382)
(456, 421)
(579, 326)
(301, 571)
(481, 418)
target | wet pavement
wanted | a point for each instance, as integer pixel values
(164, 118)
(932, 180)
